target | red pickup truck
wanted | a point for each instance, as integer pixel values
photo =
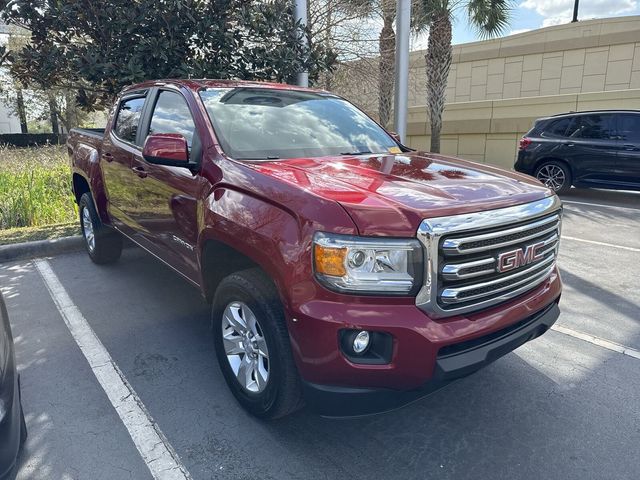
(344, 269)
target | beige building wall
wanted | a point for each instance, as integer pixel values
(497, 88)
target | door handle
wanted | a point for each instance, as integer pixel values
(140, 171)
(571, 144)
(108, 157)
(630, 148)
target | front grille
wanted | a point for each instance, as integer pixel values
(481, 259)
(470, 274)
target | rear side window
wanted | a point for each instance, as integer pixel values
(172, 115)
(128, 119)
(630, 128)
(591, 126)
(557, 128)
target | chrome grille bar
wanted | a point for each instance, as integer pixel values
(519, 234)
(453, 295)
(480, 259)
(458, 271)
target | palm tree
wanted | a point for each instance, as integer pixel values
(489, 17)
(387, 65)
(385, 10)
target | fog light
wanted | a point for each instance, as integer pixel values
(361, 342)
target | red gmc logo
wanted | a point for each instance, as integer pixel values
(520, 257)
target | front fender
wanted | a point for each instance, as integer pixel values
(268, 234)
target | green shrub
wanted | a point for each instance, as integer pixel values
(35, 187)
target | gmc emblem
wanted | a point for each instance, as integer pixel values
(520, 257)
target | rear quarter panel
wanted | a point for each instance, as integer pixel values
(84, 152)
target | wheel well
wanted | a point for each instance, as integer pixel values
(218, 261)
(552, 159)
(80, 186)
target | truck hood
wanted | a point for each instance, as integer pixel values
(391, 194)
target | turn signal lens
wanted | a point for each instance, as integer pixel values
(330, 261)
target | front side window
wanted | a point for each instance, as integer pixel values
(262, 123)
(595, 126)
(630, 128)
(171, 115)
(128, 119)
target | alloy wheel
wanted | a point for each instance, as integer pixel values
(245, 347)
(552, 176)
(87, 228)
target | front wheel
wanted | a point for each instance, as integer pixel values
(104, 245)
(554, 175)
(253, 347)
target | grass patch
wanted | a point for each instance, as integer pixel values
(35, 187)
(46, 232)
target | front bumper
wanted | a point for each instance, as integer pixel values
(452, 362)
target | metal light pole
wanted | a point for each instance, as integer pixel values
(403, 25)
(575, 11)
(301, 15)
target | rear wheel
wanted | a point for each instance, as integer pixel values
(554, 175)
(253, 347)
(104, 245)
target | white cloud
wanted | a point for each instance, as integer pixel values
(556, 12)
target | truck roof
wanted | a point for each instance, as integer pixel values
(197, 84)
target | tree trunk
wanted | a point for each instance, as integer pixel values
(328, 42)
(386, 78)
(438, 59)
(22, 113)
(53, 114)
(70, 119)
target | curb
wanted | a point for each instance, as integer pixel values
(40, 248)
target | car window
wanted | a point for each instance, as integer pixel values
(557, 128)
(128, 119)
(591, 126)
(630, 128)
(171, 115)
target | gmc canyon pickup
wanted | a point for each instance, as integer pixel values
(344, 269)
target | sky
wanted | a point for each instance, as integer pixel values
(532, 14)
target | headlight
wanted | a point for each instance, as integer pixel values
(351, 264)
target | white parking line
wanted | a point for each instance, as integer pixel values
(600, 205)
(603, 244)
(601, 342)
(159, 456)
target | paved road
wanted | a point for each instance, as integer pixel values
(557, 408)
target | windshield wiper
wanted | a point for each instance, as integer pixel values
(361, 152)
(268, 157)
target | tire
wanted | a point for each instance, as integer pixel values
(103, 244)
(555, 175)
(271, 388)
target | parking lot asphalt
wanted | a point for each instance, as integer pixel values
(559, 407)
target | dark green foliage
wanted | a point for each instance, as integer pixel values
(97, 48)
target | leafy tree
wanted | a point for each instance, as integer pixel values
(489, 17)
(96, 48)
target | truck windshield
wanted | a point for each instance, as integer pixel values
(266, 124)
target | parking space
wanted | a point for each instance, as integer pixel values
(558, 407)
